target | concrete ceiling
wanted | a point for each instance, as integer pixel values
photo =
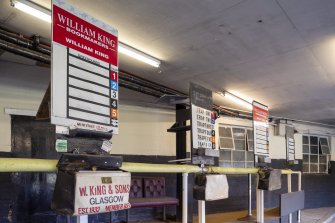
(279, 52)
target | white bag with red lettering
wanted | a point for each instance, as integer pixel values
(101, 191)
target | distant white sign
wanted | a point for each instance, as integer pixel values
(101, 191)
(290, 149)
(261, 128)
(202, 128)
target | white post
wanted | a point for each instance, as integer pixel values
(201, 212)
(258, 198)
(289, 190)
(260, 205)
(82, 219)
(299, 189)
(185, 191)
(250, 195)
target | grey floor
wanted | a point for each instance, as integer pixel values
(318, 215)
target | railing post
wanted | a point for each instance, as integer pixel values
(289, 190)
(259, 203)
(201, 212)
(249, 217)
(82, 219)
(299, 189)
(185, 198)
(249, 195)
(262, 206)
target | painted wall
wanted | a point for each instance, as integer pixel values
(143, 132)
(142, 129)
(22, 86)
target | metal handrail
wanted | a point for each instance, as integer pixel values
(47, 165)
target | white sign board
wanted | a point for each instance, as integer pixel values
(202, 128)
(84, 83)
(101, 191)
(290, 149)
(261, 129)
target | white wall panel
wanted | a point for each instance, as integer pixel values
(277, 145)
(143, 132)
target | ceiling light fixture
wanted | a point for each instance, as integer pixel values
(236, 99)
(138, 55)
(44, 14)
(33, 9)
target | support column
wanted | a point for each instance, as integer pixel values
(249, 195)
(260, 205)
(299, 189)
(249, 217)
(181, 154)
(185, 197)
(289, 190)
(82, 219)
(201, 212)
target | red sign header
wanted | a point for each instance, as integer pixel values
(76, 33)
(260, 114)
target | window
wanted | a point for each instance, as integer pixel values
(236, 146)
(315, 154)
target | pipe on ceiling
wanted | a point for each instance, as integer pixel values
(126, 80)
(23, 46)
(20, 45)
(19, 40)
(147, 83)
(139, 88)
(40, 57)
(22, 51)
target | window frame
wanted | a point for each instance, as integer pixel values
(318, 154)
(232, 137)
(247, 152)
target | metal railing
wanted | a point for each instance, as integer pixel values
(45, 165)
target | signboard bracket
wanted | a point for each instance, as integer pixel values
(176, 128)
(43, 112)
(182, 115)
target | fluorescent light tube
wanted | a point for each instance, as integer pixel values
(32, 9)
(45, 15)
(236, 99)
(138, 55)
